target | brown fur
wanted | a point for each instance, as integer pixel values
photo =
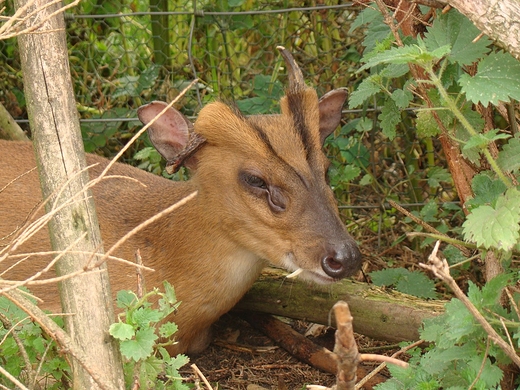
(213, 248)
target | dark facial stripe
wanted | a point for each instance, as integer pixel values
(297, 111)
(263, 136)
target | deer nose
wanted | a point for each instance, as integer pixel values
(342, 260)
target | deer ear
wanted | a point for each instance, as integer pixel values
(330, 106)
(170, 132)
(172, 135)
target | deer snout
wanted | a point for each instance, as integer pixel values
(341, 260)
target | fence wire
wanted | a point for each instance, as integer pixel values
(125, 54)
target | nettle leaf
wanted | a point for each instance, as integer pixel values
(406, 54)
(426, 124)
(402, 97)
(141, 347)
(377, 30)
(390, 117)
(365, 90)
(168, 329)
(125, 298)
(405, 281)
(457, 31)
(495, 227)
(509, 157)
(497, 79)
(482, 140)
(486, 190)
(121, 331)
(436, 175)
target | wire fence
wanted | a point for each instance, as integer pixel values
(125, 54)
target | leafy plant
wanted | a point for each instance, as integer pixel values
(444, 95)
(29, 354)
(138, 330)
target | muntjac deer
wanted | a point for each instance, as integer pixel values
(262, 197)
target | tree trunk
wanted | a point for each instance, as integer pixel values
(61, 162)
(499, 19)
(381, 315)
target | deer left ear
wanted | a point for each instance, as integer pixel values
(330, 106)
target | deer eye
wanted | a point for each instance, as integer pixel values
(253, 181)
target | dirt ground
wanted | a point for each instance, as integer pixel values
(241, 358)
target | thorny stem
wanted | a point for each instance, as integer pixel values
(441, 270)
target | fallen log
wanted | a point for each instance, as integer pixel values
(378, 313)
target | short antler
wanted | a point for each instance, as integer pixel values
(296, 81)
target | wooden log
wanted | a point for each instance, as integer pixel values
(378, 314)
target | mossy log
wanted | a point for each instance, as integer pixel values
(378, 313)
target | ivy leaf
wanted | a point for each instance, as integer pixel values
(508, 158)
(497, 79)
(141, 347)
(495, 227)
(457, 31)
(366, 89)
(390, 117)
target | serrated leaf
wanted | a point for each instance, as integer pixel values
(402, 98)
(495, 227)
(387, 277)
(121, 331)
(436, 175)
(509, 157)
(417, 284)
(497, 79)
(486, 190)
(143, 316)
(168, 329)
(457, 31)
(141, 347)
(377, 30)
(426, 124)
(390, 117)
(125, 298)
(365, 90)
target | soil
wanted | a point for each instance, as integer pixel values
(241, 358)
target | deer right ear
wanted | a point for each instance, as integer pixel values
(171, 134)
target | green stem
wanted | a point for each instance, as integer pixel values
(469, 128)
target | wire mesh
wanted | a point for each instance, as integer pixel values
(125, 54)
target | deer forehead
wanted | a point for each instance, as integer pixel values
(264, 138)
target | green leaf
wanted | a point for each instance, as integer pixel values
(486, 189)
(125, 298)
(365, 90)
(497, 79)
(143, 316)
(457, 31)
(426, 124)
(141, 347)
(377, 30)
(390, 117)
(405, 281)
(402, 98)
(509, 157)
(495, 227)
(167, 329)
(482, 140)
(121, 331)
(436, 175)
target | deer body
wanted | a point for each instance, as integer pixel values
(261, 197)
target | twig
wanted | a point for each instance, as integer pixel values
(12, 378)
(201, 376)
(441, 270)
